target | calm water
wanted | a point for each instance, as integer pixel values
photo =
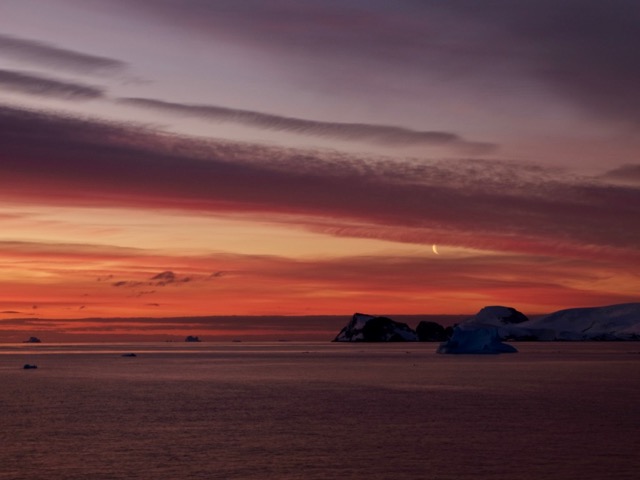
(319, 411)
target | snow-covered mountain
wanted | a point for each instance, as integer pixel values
(499, 315)
(482, 332)
(614, 322)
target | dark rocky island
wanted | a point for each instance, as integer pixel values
(433, 332)
(369, 328)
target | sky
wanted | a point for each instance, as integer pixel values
(182, 158)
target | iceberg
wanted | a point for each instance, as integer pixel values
(470, 338)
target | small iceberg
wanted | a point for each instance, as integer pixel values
(29, 366)
(468, 338)
(32, 340)
(192, 338)
(129, 355)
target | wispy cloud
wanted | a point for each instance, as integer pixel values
(70, 251)
(46, 54)
(476, 204)
(329, 284)
(33, 84)
(380, 134)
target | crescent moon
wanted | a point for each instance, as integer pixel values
(435, 249)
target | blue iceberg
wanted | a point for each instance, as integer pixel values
(469, 338)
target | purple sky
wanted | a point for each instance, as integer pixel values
(507, 133)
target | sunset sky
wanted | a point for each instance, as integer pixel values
(167, 158)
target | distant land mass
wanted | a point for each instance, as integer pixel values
(609, 323)
(312, 328)
(606, 323)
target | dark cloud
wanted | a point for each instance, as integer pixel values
(583, 51)
(45, 54)
(38, 85)
(145, 292)
(627, 173)
(167, 276)
(160, 280)
(380, 134)
(481, 204)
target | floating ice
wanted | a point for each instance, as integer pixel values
(469, 338)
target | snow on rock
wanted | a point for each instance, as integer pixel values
(507, 320)
(613, 322)
(499, 315)
(470, 338)
(369, 328)
(483, 332)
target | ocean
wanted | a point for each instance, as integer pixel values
(293, 410)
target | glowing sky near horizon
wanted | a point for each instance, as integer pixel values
(179, 158)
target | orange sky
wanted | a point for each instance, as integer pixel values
(173, 265)
(200, 161)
